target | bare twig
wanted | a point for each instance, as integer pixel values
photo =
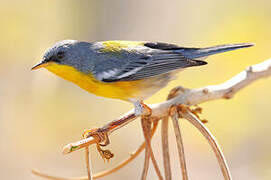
(88, 164)
(225, 90)
(165, 148)
(146, 126)
(46, 176)
(106, 172)
(179, 141)
(106, 129)
(146, 164)
(132, 157)
(79, 144)
(211, 139)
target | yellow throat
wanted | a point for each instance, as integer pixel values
(124, 90)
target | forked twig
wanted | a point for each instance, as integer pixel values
(146, 127)
(179, 141)
(106, 129)
(164, 135)
(46, 176)
(132, 157)
(146, 164)
(106, 172)
(210, 138)
(165, 148)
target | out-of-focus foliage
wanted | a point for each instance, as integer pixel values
(39, 112)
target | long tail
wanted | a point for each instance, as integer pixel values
(197, 53)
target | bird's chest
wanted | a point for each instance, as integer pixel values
(124, 90)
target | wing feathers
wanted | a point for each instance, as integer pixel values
(143, 60)
(160, 64)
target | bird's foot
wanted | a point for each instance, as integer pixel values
(196, 111)
(142, 109)
(104, 153)
(103, 139)
(98, 133)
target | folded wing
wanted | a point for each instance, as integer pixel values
(142, 62)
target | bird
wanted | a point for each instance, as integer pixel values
(127, 70)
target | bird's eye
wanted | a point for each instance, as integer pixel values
(60, 55)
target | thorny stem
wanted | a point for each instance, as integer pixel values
(165, 148)
(179, 141)
(211, 139)
(146, 126)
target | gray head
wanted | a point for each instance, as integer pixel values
(67, 52)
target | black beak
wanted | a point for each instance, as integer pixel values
(41, 65)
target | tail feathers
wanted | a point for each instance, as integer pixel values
(198, 53)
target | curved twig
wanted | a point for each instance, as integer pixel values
(46, 176)
(211, 139)
(146, 126)
(146, 164)
(88, 164)
(165, 148)
(179, 141)
(106, 172)
(132, 157)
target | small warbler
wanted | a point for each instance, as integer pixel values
(126, 70)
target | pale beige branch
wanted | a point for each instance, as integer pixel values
(46, 176)
(179, 142)
(132, 156)
(146, 164)
(146, 126)
(212, 141)
(88, 164)
(225, 90)
(165, 148)
(106, 172)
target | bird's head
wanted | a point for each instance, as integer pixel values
(67, 53)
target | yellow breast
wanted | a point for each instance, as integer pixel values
(118, 90)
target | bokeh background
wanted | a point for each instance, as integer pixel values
(39, 112)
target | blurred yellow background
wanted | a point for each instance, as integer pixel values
(39, 112)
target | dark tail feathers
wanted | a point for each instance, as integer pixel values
(197, 53)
